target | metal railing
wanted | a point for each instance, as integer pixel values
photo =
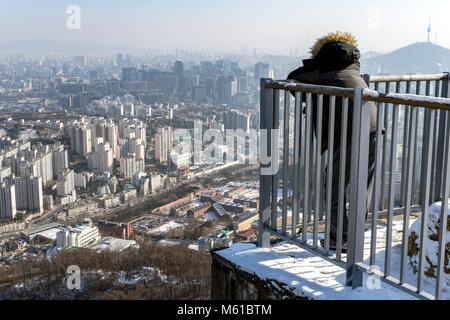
(411, 171)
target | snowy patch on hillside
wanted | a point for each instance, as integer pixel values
(28, 134)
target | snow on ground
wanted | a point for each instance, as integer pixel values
(28, 134)
(211, 216)
(142, 276)
(411, 278)
(166, 228)
(316, 278)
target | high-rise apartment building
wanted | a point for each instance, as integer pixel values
(29, 194)
(8, 209)
(163, 145)
(130, 165)
(101, 160)
(80, 139)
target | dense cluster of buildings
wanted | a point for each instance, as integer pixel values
(100, 138)
(26, 170)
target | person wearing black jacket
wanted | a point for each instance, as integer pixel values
(335, 62)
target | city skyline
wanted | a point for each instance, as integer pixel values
(210, 26)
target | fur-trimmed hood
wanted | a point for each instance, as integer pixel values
(338, 36)
(334, 51)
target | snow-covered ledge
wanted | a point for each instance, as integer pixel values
(291, 272)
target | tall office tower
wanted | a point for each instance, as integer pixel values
(179, 69)
(242, 83)
(7, 201)
(60, 160)
(163, 144)
(66, 183)
(119, 60)
(101, 160)
(262, 70)
(226, 90)
(130, 165)
(179, 72)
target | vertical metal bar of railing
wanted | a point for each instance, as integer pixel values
(342, 173)
(425, 161)
(287, 116)
(329, 186)
(408, 193)
(297, 150)
(415, 146)
(391, 196)
(434, 190)
(425, 194)
(443, 123)
(275, 148)
(358, 188)
(313, 166)
(376, 185)
(318, 173)
(385, 150)
(441, 276)
(308, 138)
(324, 159)
(265, 179)
(405, 145)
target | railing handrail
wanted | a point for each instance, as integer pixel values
(368, 94)
(412, 77)
(309, 88)
(407, 99)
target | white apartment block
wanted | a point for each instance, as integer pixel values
(163, 145)
(80, 236)
(101, 160)
(130, 165)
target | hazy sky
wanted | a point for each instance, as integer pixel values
(229, 25)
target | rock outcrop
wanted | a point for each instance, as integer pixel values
(431, 242)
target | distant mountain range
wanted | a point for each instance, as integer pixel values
(421, 57)
(45, 46)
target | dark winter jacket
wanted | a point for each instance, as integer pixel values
(337, 65)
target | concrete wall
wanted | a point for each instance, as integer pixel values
(230, 283)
